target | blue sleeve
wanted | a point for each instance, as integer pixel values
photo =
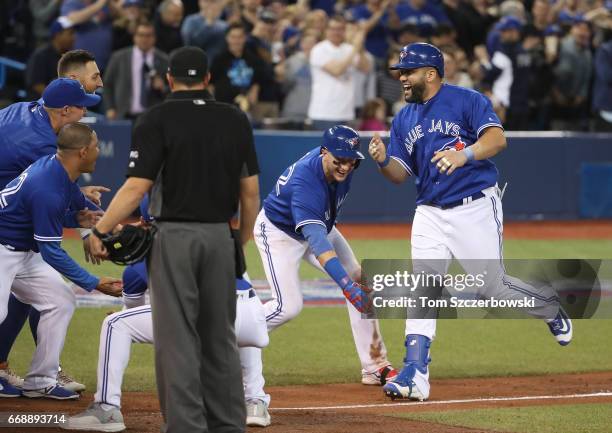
(48, 215)
(308, 202)
(70, 6)
(70, 219)
(396, 149)
(317, 238)
(58, 259)
(479, 114)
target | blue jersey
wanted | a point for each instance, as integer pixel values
(453, 119)
(303, 196)
(26, 135)
(34, 205)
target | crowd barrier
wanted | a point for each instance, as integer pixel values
(550, 175)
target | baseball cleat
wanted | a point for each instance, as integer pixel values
(95, 418)
(7, 390)
(561, 328)
(10, 376)
(257, 413)
(380, 376)
(403, 386)
(67, 382)
(55, 392)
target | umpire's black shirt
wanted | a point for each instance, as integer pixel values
(196, 150)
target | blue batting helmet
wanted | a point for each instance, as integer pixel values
(342, 142)
(418, 55)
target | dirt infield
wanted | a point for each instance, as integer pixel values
(584, 229)
(354, 408)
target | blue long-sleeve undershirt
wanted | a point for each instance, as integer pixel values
(58, 259)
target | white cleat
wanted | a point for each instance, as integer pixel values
(95, 418)
(257, 413)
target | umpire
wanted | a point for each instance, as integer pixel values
(197, 157)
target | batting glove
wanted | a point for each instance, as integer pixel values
(357, 295)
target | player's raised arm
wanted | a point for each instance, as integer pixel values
(389, 167)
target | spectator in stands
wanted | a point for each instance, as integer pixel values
(43, 12)
(332, 64)
(541, 16)
(364, 81)
(297, 82)
(131, 13)
(248, 13)
(316, 20)
(573, 76)
(168, 25)
(426, 15)
(42, 65)
(93, 26)
(474, 28)
(206, 29)
(602, 87)
(540, 79)
(135, 76)
(236, 73)
(508, 74)
(260, 43)
(378, 18)
(389, 88)
(407, 34)
(453, 74)
(373, 117)
(509, 8)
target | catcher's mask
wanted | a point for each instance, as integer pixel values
(130, 245)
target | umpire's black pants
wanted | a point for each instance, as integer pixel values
(193, 298)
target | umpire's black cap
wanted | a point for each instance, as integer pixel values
(188, 62)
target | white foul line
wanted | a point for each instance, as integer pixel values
(438, 402)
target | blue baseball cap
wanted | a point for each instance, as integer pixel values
(66, 91)
(509, 23)
(59, 25)
(129, 3)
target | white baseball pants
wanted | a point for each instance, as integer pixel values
(135, 325)
(36, 283)
(281, 256)
(472, 233)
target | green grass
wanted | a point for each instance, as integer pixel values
(579, 418)
(317, 347)
(398, 249)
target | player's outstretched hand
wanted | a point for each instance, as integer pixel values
(110, 286)
(88, 218)
(97, 247)
(377, 149)
(449, 160)
(357, 295)
(94, 193)
(89, 257)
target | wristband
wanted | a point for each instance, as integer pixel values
(335, 270)
(385, 162)
(101, 236)
(469, 153)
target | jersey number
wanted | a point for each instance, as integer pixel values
(283, 179)
(10, 190)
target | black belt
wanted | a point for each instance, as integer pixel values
(252, 293)
(466, 200)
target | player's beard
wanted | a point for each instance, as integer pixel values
(417, 91)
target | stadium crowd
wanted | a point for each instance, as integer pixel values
(545, 64)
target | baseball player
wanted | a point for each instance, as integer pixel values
(134, 324)
(27, 137)
(298, 222)
(34, 208)
(445, 137)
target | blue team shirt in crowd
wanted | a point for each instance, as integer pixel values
(34, 205)
(303, 196)
(26, 136)
(453, 119)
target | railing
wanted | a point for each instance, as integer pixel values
(5, 62)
